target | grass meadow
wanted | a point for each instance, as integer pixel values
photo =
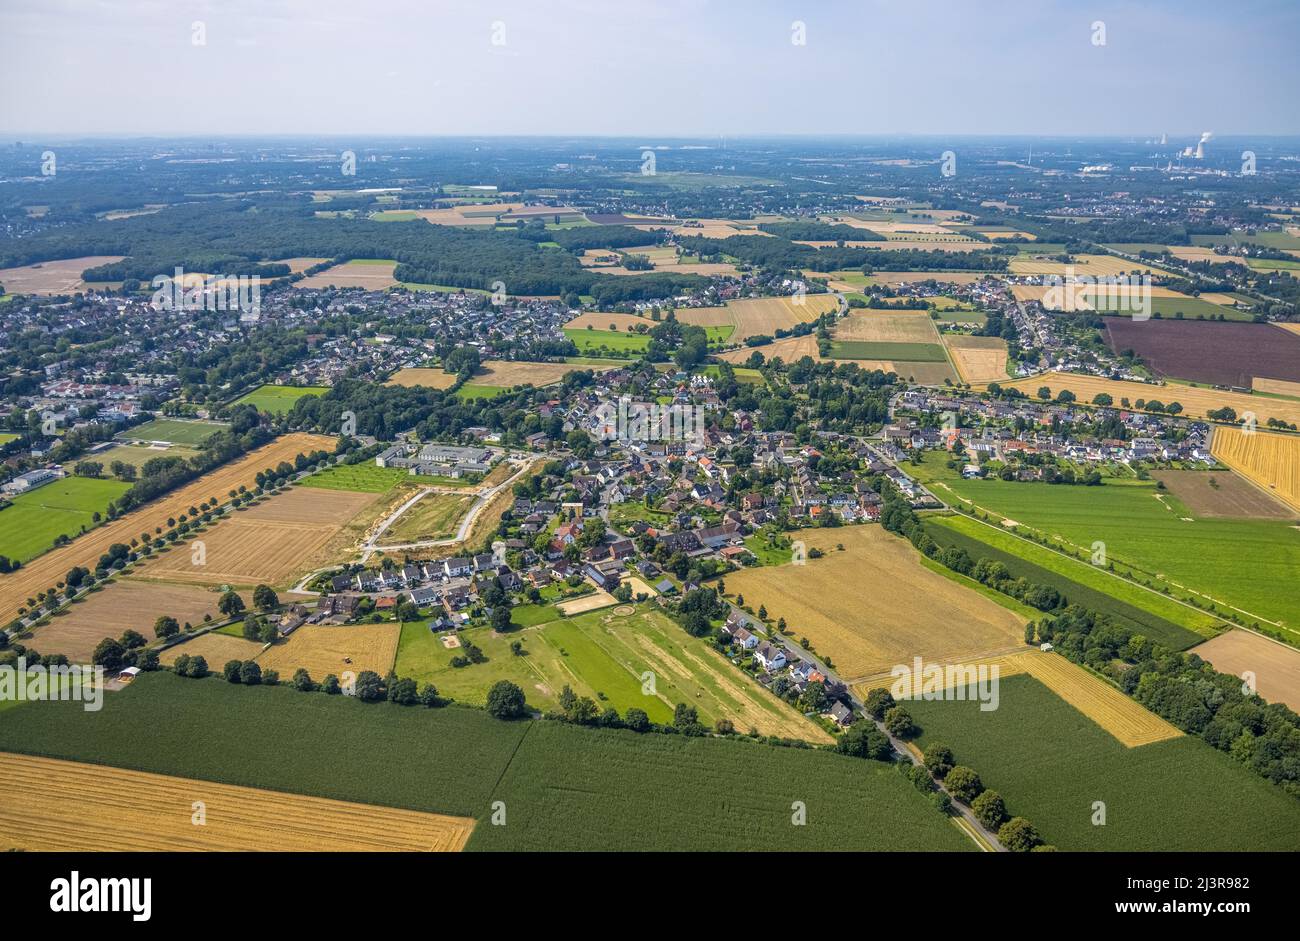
(277, 400)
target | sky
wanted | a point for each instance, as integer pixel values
(680, 68)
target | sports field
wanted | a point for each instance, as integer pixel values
(604, 654)
(1228, 562)
(896, 608)
(564, 787)
(174, 430)
(1270, 461)
(1052, 764)
(278, 399)
(64, 507)
(45, 571)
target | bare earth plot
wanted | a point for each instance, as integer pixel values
(321, 650)
(873, 605)
(269, 543)
(978, 359)
(371, 275)
(1276, 666)
(47, 805)
(48, 569)
(126, 604)
(52, 277)
(1223, 494)
(1270, 461)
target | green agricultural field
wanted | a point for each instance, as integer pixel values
(564, 787)
(174, 431)
(441, 288)
(469, 391)
(362, 478)
(585, 789)
(1235, 562)
(394, 215)
(6, 436)
(278, 399)
(961, 316)
(1192, 308)
(368, 477)
(898, 352)
(1147, 612)
(1051, 763)
(66, 507)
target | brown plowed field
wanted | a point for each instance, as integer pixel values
(48, 569)
(1225, 354)
(49, 805)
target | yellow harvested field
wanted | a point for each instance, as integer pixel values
(420, 376)
(978, 359)
(216, 649)
(762, 316)
(1275, 386)
(49, 805)
(716, 228)
(507, 373)
(124, 604)
(1270, 461)
(52, 277)
(300, 264)
(1131, 723)
(1275, 665)
(1097, 266)
(874, 605)
(48, 569)
(1195, 401)
(370, 275)
(1008, 665)
(270, 543)
(1293, 327)
(887, 326)
(321, 649)
(788, 350)
(934, 244)
(1201, 253)
(597, 599)
(488, 214)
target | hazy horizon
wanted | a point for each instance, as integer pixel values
(679, 69)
